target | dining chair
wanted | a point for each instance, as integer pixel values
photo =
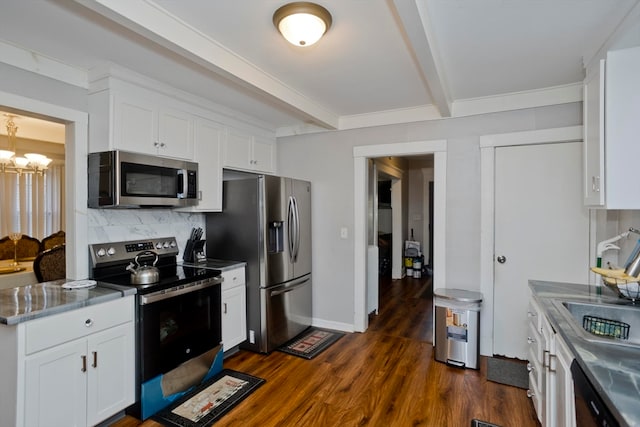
(51, 264)
(55, 239)
(27, 248)
(6, 248)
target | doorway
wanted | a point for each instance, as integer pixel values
(362, 155)
(75, 154)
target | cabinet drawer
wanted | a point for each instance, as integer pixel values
(537, 371)
(533, 314)
(536, 343)
(60, 328)
(536, 398)
(233, 278)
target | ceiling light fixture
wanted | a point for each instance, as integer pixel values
(10, 163)
(302, 23)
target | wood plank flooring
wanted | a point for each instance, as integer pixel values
(384, 377)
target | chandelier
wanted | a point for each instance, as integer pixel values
(29, 163)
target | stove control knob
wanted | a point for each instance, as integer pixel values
(159, 245)
(173, 244)
(101, 252)
(111, 251)
(166, 245)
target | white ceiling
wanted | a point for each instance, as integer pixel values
(382, 61)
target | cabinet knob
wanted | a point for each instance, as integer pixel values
(88, 322)
(95, 359)
(530, 394)
(530, 340)
(530, 367)
(84, 363)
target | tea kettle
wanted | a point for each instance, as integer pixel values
(144, 274)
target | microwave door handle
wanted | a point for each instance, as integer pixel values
(183, 184)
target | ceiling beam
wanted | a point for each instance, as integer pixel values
(415, 19)
(154, 23)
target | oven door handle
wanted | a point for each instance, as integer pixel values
(173, 292)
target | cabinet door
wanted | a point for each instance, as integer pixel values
(263, 155)
(234, 317)
(565, 403)
(622, 110)
(135, 125)
(208, 139)
(593, 146)
(548, 388)
(56, 386)
(111, 372)
(175, 134)
(237, 150)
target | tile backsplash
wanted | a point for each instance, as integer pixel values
(114, 225)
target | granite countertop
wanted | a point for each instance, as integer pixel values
(216, 264)
(28, 302)
(614, 370)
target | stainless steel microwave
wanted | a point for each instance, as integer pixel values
(128, 180)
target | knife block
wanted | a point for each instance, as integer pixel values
(194, 251)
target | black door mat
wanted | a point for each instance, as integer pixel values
(208, 402)
(478, 423)
(507, 371)
(311, 342)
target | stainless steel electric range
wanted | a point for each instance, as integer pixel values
(178, 315)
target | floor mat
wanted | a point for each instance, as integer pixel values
(311, 342)
(209, 401)
(509, 372)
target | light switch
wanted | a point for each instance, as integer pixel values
(344, 233)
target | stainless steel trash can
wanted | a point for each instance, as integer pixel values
(457, 326)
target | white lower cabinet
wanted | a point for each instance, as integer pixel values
(75, 368)
(565, 400)
(550, 381)
(234, 308)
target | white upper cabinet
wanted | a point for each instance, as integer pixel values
(611, 150)
(138, 120)
(209, 136)
(593, 146)
(248, 152)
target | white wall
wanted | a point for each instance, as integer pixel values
(326, 159)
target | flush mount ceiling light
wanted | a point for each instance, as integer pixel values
(302, 23)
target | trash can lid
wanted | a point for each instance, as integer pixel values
(458, 295)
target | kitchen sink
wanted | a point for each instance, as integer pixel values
(606, 323)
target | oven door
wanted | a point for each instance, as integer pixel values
(178, 325)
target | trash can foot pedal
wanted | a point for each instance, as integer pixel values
(478, 423)
(456, 363)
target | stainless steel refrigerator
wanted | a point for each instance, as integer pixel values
(266, 222)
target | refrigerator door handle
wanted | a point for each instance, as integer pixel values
(290, 287)
(291, 228)
(296, 215)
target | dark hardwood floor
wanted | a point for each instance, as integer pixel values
(384, 377)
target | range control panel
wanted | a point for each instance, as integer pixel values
(109, 252)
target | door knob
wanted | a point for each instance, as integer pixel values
(502, 259)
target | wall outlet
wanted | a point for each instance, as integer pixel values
(344, 233)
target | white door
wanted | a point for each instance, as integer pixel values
(541, 232)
